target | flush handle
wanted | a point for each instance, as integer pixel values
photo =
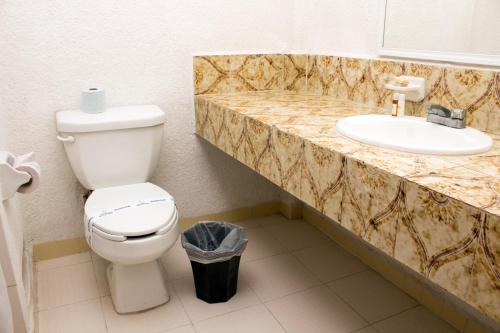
(67, 139)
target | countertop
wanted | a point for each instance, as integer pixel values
(472, 179)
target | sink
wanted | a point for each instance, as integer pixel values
(414, 135)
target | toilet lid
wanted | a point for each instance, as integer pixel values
(130, 210)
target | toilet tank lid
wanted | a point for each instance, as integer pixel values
(114, 118)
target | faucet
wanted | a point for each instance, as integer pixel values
(438, 114)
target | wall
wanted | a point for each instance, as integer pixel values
(141, 53)
(15, 263)
(337, 27)
(4, 137)
(486, 11)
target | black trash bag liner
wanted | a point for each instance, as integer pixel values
(211, 241)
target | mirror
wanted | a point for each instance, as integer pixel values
(465, 31)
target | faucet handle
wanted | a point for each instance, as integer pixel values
(458, 114)
(439, 110)
(438, 114)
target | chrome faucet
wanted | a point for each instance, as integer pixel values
(452, 118)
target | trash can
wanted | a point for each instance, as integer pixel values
(214, 249)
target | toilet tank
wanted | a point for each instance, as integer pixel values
(117, 147)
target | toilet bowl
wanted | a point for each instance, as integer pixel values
(132, 226)
(128, 221)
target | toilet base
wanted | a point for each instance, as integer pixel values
(136, 287)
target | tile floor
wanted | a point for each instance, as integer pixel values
(292, 279)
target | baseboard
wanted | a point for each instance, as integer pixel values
(59, 248)
(454, 311)
(290, 207)
(65, 247)
(238, 214)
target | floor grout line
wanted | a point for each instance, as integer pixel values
(72, 303)
(59, 267)
(350, 275)
(101, 306)
(277, 320)
(226, 313)
(63, 266)
(397, 314)
(294, 293)
(182, 305)
(262, 258)
(376, 321)
(349, 306)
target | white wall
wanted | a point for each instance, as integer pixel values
(337, 27)
(11, 221)
(141, 53)
(3, 126)
(485, 36)
(11, 247)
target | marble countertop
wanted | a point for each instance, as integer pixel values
(472, 179)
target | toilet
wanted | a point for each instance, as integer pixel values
(128, 221)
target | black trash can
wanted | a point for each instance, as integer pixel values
(214, 249)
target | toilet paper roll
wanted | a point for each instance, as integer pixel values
(93, 100)
(34, 170)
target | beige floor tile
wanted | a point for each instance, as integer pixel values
(248, 224)
(199, 310)
(100, 266)
(416, 320)
(296, 234)
(250, 320)
(83, 317)
(183, 329)
(271, 219)
(176, 262)
(315, 310)
(94, 255)
(372, 296)
(261, 244)
(62, 261)
(66, 285)
(277, 276)
(366, 330)
(330, 262)
(165, 317)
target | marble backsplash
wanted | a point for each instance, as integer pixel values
(355, 79)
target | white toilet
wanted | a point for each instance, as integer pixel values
(127, 221)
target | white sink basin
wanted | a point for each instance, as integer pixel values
(414, 135)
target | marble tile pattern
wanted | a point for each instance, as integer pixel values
(438, 215)
(238, 73)
(354, 79)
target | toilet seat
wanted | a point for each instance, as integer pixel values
(130, 211)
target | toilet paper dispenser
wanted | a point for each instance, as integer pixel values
(18, 174)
